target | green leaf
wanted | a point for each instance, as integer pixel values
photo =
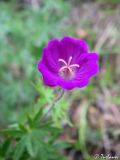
(19, 149)
(12, 132)
(29, 146)
(23, 128)
(5, 147)
(38, 116)
(59, 112)
(30, 120)
(62, 145)
(83, 126)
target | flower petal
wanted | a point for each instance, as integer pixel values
(88, 66)
(51, 55)
(71, 52)
(49, 78)
(70, 84)
(72, 47)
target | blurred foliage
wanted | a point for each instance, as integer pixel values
(30, 136)
(109, 2)
(23, 33)
(24, 100)
(32, 139)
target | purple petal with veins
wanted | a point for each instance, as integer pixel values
(68, 63)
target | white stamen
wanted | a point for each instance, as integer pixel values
(69, 61)
(75, 65)
(62, 68)
(70, 70)
(67, 66)
(62, 60)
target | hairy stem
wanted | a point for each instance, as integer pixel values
(51, 106)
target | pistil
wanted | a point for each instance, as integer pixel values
(67, 70)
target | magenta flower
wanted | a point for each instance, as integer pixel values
(68, 63)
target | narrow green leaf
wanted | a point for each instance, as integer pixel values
(23, 128)
(19, 150)
(38, 116)
(29, 146)
(12, 132)
(4, 147)
(83, 125)
(30, 121)
(62, 145)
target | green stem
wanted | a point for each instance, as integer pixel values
(56, 100)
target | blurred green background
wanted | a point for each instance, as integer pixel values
(25, 28)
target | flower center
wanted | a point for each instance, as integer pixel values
(67, 70)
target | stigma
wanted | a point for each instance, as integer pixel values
(67, 70)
